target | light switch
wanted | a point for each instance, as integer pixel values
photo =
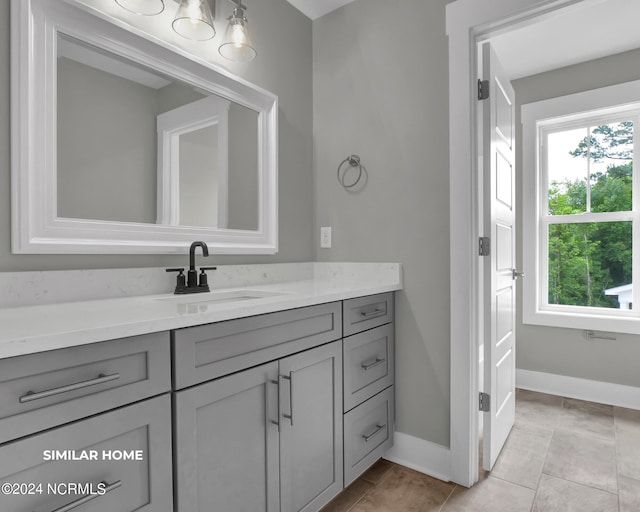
(325, 237)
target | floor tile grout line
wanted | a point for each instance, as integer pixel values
(533, 501)
(384, 476)
(584, 433)
(582, 485)
(359, 500)
(544, 462)
(546, 457)
(512, 483)
(361, 497)
(373, 486)
(455, 486)
(615, 448)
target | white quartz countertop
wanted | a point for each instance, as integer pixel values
(37, 328)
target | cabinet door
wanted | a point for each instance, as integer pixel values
(227, 444)
(311, 428)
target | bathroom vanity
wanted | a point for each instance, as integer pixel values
(276, 411)
(258, 396)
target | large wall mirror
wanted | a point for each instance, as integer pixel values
(123, 144)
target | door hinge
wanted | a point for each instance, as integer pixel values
(485, 402)
(484, 246)
(483, 89)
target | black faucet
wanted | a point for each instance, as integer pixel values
(193, 285)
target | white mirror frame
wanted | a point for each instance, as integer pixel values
(36, 228)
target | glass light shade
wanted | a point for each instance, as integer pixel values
(194, 20)
(237, 44)
(142, 7)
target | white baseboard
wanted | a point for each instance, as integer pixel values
(429, 458)
(583, 389)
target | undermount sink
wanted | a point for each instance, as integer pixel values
(219, 297)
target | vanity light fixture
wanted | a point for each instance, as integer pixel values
(194, 20)
(237, 44)
(142, 7)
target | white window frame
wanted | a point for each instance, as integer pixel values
(598, 106)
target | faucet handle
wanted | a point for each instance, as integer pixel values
(180, 278)
(203, 276)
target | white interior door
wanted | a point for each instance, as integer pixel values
(498, 133)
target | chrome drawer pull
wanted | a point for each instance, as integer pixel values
(88, 497)
(379, 428)
(290, 379)
(375, 312)
(277, 383)
(30, 396)
(373, 364)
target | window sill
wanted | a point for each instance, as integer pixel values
(590, 319)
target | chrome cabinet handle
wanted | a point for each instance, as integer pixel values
(85, 499)
(375, 312)
(379, 428)
(277, 383)
(290, 415)
(30, 396)
(373, 364)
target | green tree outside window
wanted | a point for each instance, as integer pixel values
(587, 258)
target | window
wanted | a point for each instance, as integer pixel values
(579, 156)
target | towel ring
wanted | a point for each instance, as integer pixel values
(354, 161)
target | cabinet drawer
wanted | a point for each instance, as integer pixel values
(142, 430)
(209, 351)
(367, 312)
(368, 364)
(43, 390)
(368, 433)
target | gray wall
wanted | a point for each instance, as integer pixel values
(106, 169)
(566, 351)
(381, 91)
(283, 39)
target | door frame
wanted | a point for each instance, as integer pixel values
(468, 23)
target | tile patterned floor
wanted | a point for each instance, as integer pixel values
(563, 455)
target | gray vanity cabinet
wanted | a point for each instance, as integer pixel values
(270, 413)
(311, 428)
(264, 439)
